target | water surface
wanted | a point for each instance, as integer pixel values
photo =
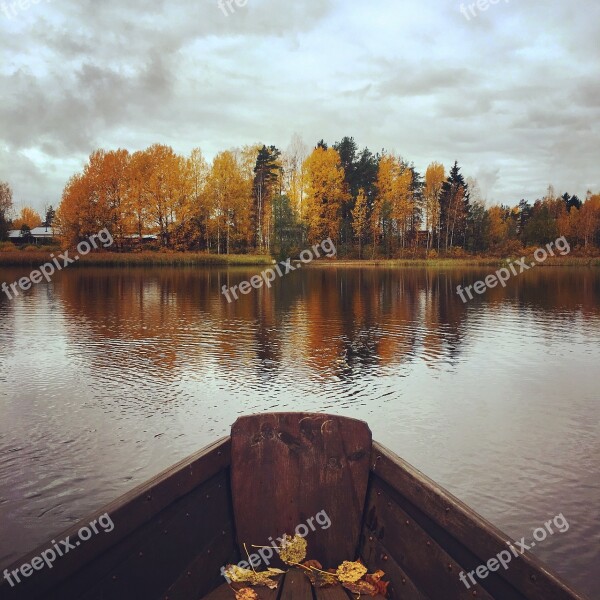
(108, 376)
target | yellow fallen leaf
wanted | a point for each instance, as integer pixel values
(237, 574)
(246, 594)
(293, 549)
(361, 587)
(351, 572)
(240, 575)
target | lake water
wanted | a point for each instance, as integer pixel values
(108, 376)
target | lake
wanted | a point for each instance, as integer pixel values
(108, 376)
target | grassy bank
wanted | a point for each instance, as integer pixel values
(35, 258)
(150, 259)
(440, 263)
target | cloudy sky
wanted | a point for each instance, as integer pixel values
(512, 93)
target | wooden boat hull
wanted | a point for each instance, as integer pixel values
(173, 534)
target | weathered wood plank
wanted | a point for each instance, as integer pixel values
(528, 575)
(288, 467)
(428, 565)
(376, 556)
(129, 513)
(204, 573)
(225, 592)
(296, 586)
(155, 556)
(336, 592)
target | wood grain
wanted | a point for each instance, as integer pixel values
(288, 467)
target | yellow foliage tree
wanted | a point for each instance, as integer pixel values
(229, 192)
(360, 223)
(588, 222)
(434, 179)
(325, 193)
(394, 190)
(28, 217)
(498, 227)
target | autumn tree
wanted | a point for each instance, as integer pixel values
(360, 223)
(325, 193)
(5, 207)
(293, 173)
(28, 217)
(136, 214)
(198, 170)
(588, 226)
(434, 180)
(497, 226)
(163, 189)
(395, 190)
(229, 192)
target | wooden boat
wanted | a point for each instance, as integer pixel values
(173, 535)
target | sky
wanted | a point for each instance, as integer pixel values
(511, 91)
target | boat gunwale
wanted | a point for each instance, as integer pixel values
(140, 505)
(129, 512)
(465, 525)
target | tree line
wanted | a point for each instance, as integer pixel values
(260, 199)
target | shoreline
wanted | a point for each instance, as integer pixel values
(20, 258)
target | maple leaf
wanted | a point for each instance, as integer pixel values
(246, 594)
(293, 549)
(351, 572)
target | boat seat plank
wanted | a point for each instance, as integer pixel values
(287, 468)
(293, 586)
(224, 592)
(336, 592)
(296, 586)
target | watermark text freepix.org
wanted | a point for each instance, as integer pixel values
(227, 6)
(264, 555)
(48, 269)
(480, 5)
(516, 549)
(268, 275)
(503, 275)
(12, 9)
(49, 556)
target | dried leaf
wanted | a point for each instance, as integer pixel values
(246, 594)
(361, 587)
(319, 578)
(382, 588)
(240, 575)
(293, 549)
(375, 577)
(351, 572)
(263, 578)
